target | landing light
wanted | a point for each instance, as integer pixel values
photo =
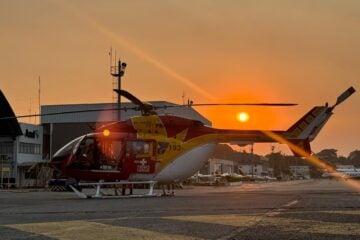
(106, 132)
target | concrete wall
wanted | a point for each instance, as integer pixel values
(220, 166)
(258, 169)
(303, 171)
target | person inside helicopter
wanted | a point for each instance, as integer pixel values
(87, 155)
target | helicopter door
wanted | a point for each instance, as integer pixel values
(95, 154)
(140, 156)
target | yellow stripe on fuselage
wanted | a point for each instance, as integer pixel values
(152, 127)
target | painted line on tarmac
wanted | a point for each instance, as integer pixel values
(87, 230)
(234, 220)
(281, 209)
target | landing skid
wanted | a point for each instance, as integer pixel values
(123, 184)
(169, 192)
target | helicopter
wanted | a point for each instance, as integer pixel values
(151, 148)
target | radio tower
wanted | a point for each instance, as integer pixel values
(117, 71)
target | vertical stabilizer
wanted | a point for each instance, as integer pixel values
(311, 123)
(308, 127)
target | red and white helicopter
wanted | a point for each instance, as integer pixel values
(152, 148)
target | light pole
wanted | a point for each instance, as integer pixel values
(252, 160)
(119, 72)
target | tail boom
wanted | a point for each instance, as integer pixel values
(298, 136)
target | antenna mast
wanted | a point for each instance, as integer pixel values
(117, 71)
(39, 94)
(30, 111)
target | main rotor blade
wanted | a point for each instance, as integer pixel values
(244, 104)
(71, 112)
(227, 104)
(147, 108)
(130, 97)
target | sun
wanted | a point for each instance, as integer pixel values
(243, 117)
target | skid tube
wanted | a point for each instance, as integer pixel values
(123, 184)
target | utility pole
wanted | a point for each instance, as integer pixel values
(296, 166)
(252, 160)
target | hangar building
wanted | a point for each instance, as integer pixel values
(20, 147)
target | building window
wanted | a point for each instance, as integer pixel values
(29, 148)
(6, 147)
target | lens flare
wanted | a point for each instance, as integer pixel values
(312, 159)
(136, 50)
(106, 132)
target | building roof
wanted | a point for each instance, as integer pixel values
(109, 116)
(8, 127)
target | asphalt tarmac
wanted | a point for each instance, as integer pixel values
(311, 209)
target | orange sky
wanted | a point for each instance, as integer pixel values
(215, 51)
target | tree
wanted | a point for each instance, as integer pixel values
(329, 156)
(223, 151)
(354, 156)
(330, 153)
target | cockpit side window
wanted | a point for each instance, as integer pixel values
(111, 151)
(161, 147)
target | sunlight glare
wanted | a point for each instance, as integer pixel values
(243, 117)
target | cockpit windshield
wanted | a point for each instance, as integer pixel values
(66, 150)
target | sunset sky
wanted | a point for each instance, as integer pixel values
(214, 51)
